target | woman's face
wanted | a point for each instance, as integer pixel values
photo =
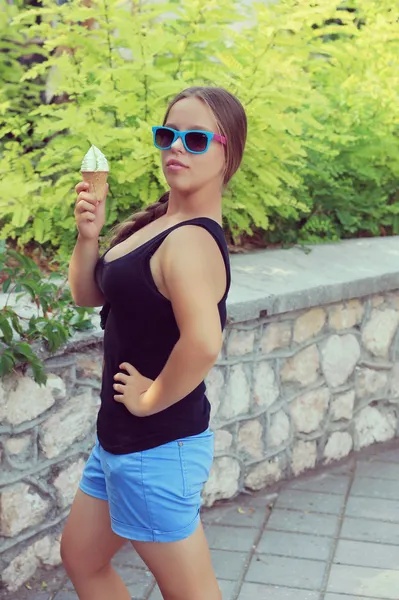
(197, 170)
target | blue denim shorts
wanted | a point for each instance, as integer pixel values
(154, 495)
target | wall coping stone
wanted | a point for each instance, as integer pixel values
(272, 282)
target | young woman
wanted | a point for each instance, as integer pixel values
(164, 283)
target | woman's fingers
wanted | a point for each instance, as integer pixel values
(82, 186)
(84, 206)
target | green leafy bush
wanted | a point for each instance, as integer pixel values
(319, 83)
(53, 317)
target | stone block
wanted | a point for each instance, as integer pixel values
(378, 333)
(48, 551)
(20, 569)
(266, 390)
(309, 410)
(302, 368)
(394, 387)
(250, 439)
(338, 446)
(279, 430)
(27, 401)
(237, 399)
(57, 386)
(371, 426)
(370, 383)
(223, 441)
(275, 336)
(264, 474)
(17, 445)
(303, 456)
(214, 389)
(72, 422)
(67, 481)
(240, 342)
(340, 355)
(309, 324)
(223, 481)
(346, 316)
(90, 366)
(20, 508)
(342, 406)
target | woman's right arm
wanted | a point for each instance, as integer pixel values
(90, 219)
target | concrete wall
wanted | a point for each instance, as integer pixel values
(308, 372)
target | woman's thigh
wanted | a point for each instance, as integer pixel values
(88, 542)
(183, 569)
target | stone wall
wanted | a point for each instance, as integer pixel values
(289, 391)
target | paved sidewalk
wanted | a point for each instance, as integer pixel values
(333, 535)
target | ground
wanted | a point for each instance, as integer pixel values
(331, 535)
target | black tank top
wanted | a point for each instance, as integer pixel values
(140, 328)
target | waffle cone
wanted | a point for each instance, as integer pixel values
(97, 181)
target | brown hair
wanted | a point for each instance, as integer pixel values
(232, 123)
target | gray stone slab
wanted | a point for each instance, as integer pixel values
(236, 515)
(227, 538)
(378, 469)
(273, 280)
(295, 545)
(345, 597)
(375, 488)
(368, 530)
(367, 554)
(66, 595)
(137, 581)
(364, 581)
(301, 522)
(326, 483)
(256, 591)
(389, 456)
(227, 589)
(310, 501)
(128, 556)
(288, 572)
(228, 565)
(373, 508)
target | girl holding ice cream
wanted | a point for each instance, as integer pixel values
(163, 284)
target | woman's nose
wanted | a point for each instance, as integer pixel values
(178, 144)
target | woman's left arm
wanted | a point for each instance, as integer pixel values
(194, 276)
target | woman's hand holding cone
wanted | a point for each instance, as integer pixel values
(89, 212)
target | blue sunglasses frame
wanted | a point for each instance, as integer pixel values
(182, 134)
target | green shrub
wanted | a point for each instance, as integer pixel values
(321, 161)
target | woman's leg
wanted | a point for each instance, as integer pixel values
(87, 547)
(183, 569)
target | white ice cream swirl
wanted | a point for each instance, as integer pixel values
(94, 160)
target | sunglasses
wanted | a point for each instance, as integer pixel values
(194, 140)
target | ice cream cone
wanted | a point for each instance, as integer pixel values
(97, 181)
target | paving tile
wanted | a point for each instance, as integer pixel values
(137, 581)
(364, 581)
(128, 556)
(376, 469)
(310, 501)
(228, 565)
(345, 597)
(283, 571)
(226, 587)
(236, 515)
(389, 456)
(301, 522)
(365, 554)
(66, 595)
(295, 545)
(368, 530)
(226, 538)
(375, 488)
(256, 591)
(325, 482)
(373, 508)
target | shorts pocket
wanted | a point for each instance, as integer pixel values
(196, 457)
